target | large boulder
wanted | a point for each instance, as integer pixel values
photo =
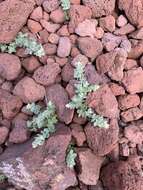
(41, 168)
(13, 16)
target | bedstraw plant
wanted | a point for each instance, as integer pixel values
(31, 46)
(43, 121)
(78, 102)
(65, 4)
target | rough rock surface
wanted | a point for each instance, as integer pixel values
(13, 16)
(124, 174)
(90, 166)
(104, 102)
(10, 66)
(9, 104)
(57, 94)
(46, 75)
(28, 90)
(100, 7)
(133, 10)
(40, 168)
(102, 141)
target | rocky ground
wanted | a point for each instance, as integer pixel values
(106, 36)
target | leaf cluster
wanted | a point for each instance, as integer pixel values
(43, 121)
(70, 157)
(2, 178)
(65, 4)
(23, 41)
(78, 102)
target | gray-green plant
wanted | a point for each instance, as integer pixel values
(78, 102)
(43, 121)
(71, 156)
(65, 4)
(23, 41)
(2, 178)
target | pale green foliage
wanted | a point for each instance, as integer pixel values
(2, 178)
(43, 120)
(70, 157)
(23, 41)
(82, 88)
(65, 4)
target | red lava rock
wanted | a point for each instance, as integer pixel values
(117, 89)
(133, 80)
(34, 26)
(57, 94)
(130, 64)
(107, 23)
(128, 28)
(98, 186)
(78, 13)
(104, 102)
(138, 34)
(44, 36)
(78, 134)
(124, 150)
(41, 166)
(19, 133)
(50, 5)
(50, 27)
(123, 175)
(37, 14)
(137, 50)
(133, 10)
(111, 41)
(50, 49)
(10, 66)
(30, 64)
(89, 175)
(79, 120)
(7, 86)
(128, 101)
(10, 24)
(104, 62)
(46, 75)
(86, 28)
(64, 47)
(67, 73)
(79, 58)
(121, 21)
(99, 33)
(131, 114)
(28, 90)
(63, 31)
(3, 134)
(102, 141)
(100, 7)
(116, 71)
(9, 104)
(53, 38)
(57, 16)
(134, 133)
(90, 47)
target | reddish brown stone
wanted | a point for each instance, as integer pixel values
(123, 175)
(133, 10)
(100, 7)
(67, 73)
(50, 5)
(64, 47)
(37, 14)
(137, 50)
(102, 141)
(9, 104)
(3, 134)
(30, 64)
(124, 30)
(90, 47)
(10, 66)
(57, 94)
(46, 75)
(57, 16)
(28, 90)
(131, 114)
(128, 101)
(133, 80)
(107, 23)
(90, 166)
(117, 89)
(104, 102)
(13, 16)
